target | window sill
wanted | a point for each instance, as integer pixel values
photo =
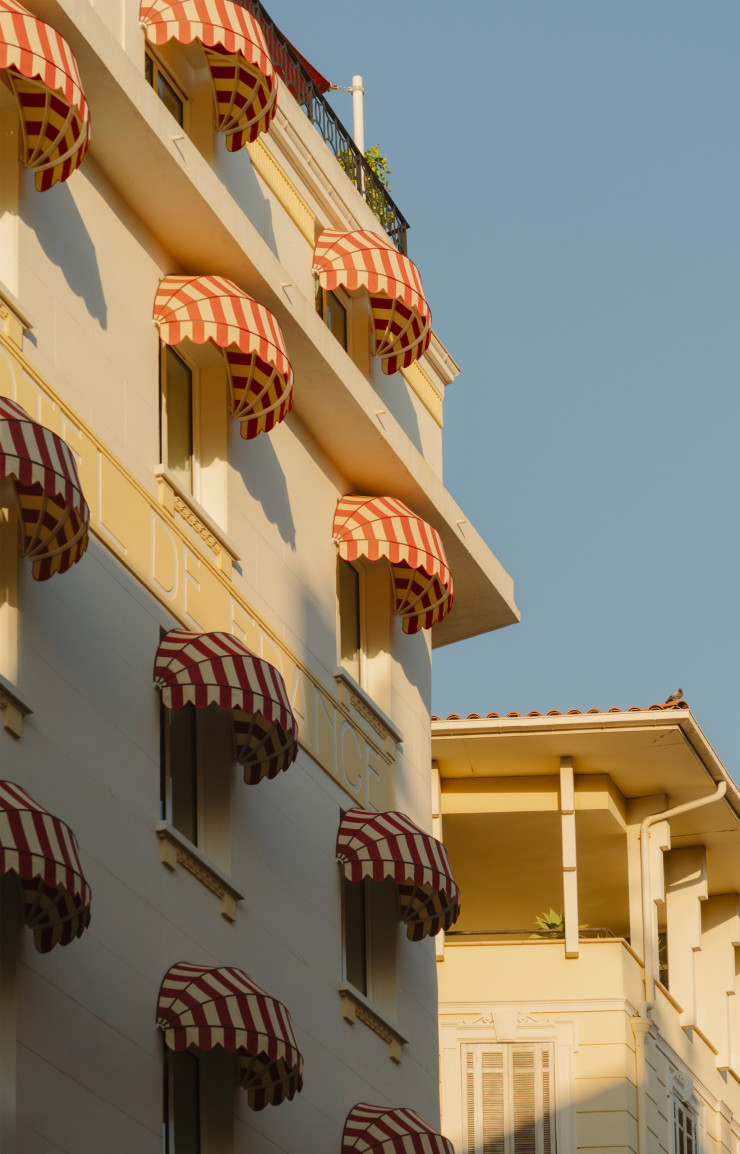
(354, 697)
(177, 850)
(175, 500)
(355, 1005)
(13, 709)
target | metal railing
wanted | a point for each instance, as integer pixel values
(525, 935)
(330, 128)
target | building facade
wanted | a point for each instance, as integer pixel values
(588, 990)
(225, 552)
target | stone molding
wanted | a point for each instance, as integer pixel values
(177, 850)
(355, 1006)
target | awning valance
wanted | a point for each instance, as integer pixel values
(390, 845)
(210, 308)
(402, 319)
(243, 78)
(390, 1130)
(382, 527)
(53, 513)
(42, 71)
(207, 1007)
(42, 851)
(203, 669)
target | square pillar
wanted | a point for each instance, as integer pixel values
(715, 972)
(686, 888)
(570, 872)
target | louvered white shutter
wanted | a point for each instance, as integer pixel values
(508, 1099)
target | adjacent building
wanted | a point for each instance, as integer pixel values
(225, 553)
(588, 993)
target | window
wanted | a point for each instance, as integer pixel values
(181, 1102)
(183, 739)
(176, 420)
(684, 1128)
(365, 612)
(165, 87)
(370, 929)
(198, 1101)
(197, 766)
(334, 313)
(349, 618)
(508, 1099)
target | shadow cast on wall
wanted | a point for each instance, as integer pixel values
(63, 237)
(263, 476)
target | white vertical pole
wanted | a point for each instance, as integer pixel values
(570, 873)
(358, 128)
(357, 113)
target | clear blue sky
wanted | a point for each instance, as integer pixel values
(571, 172)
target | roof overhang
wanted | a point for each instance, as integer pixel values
(176, 193)
(658, 753)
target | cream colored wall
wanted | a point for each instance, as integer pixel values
(482, 987)
(89, 1056)
(690, 1047)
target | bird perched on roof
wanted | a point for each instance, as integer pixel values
(674, 697)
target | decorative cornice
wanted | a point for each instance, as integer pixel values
(176, 850)
(13, 709)
(202, 530)
(355, 1006)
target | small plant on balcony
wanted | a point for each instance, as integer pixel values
(381, 170)
(552, 924)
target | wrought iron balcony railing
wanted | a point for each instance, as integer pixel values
(330, 128)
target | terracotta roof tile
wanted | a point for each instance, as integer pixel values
(682, 704)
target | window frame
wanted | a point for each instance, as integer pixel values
(375, 614)
(490, 1024)
(381, 932)
(195, 401)
(159, 68)
(171, 1060)
(344, 301)
(683, 1098)
(355, 669)
(544, 1116)
(168, 717)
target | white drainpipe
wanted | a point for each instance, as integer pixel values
(641, 1025)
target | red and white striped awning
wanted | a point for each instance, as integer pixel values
(53, 513)
(390, 845)
(378, 527)
(390, 1130)
(243, 78)
(42, 851)
(42, 71)
(203, 669)
(402, 319)
(206, 1007)
(210, 308)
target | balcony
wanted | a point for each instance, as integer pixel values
(524, 970)
(330, 128)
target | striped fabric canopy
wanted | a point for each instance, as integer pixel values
(210, 308)
(205, 1007)
(43, 852)
(53, 514)
(203, 669)
(377, 527)
(42, 71)
(402, 319)
(243, 78)
(386, 1130)
(390, 845)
